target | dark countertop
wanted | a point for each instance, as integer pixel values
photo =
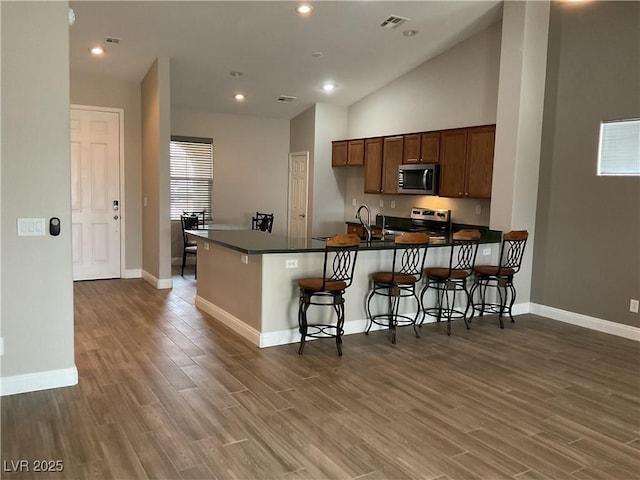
(254, 242)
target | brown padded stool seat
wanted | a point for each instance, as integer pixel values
(318, 284)
(493, 270)
(444, 273)
(389, 277)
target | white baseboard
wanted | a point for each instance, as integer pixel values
(234, 323)
(33, 382)
(159, 283)
(132, 273)
(593, 323)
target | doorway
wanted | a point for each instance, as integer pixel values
(297, 212)
(97, 199)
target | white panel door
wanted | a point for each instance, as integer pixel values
(95, 194)
(298, 194)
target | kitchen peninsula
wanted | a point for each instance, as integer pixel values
(247, 280)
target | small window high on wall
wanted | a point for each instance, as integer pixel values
(619, 148)
(191, 173)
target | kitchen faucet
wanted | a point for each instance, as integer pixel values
(367, 226)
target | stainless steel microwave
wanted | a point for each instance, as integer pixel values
(418, 179)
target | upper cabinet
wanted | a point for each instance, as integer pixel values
(421, 148)
(466, 162)
(381, 160)
(347, 153)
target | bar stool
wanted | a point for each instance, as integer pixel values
(340, 256)
(409, 253)
(452, 278)
(500, 276)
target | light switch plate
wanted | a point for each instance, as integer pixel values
(31, 227)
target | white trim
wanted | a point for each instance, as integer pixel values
(122, 210)
(33, 382)
(159, 283)
(132, 273)
(593, 323)
(234, 323)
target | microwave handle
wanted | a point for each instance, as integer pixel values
(427, 178)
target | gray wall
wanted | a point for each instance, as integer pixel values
(115, 93)
(37, 286)
(587, 251)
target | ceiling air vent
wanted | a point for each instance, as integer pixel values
(393, 21)
(114, 40)
(286, 98)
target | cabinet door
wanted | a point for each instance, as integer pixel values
(339, 153)
(372, 165)
(430, 147)
(479, 164)
(411, 149)
(391, 160)
(452, 162)
(355, 152)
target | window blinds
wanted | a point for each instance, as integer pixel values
(619, 150)
(191, 174)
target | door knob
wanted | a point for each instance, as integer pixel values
(302, 215)
(116, 217)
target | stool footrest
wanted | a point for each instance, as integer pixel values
(444, 312)
(320, 330)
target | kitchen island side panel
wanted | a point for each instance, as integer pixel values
(227, 283)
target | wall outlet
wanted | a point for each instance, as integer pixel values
(381, 203)
(633, 305)
(144, 201)
(478, 209)
(486, 251)
(291, 263)
(353, 202)
(206, 246)
(244, 259)
(393, 204)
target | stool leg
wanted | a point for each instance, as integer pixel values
(338, 306)
(513, 297)
(415, 320)
(464, 288)
(422, 307)
(302, 320)
(471, 294)
(502, 300)
(368, 305)
(449, 308)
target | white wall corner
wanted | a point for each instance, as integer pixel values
(159, 283)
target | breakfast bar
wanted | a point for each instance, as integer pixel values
(248, 279)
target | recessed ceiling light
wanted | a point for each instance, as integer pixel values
(236, 74)
(410, 33)
(329, 86)
(239, 97)
(304, 9)
(317, 54)
(97, 50)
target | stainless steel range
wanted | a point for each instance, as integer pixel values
(435, 222)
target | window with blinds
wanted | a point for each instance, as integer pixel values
(619, 149)
(191, 175)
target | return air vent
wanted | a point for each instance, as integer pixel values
(114, 40)
(286, 98)
(394, 21)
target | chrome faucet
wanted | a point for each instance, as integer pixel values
(366, 226)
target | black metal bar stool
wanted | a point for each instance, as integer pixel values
(340, 256)
(452, 279)
(500, 276)
(409, 253)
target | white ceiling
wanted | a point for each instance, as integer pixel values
(271, 45)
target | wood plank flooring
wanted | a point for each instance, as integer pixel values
(167, 392)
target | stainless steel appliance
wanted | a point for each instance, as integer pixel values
(419, 179)
(435, 222)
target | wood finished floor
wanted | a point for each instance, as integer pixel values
(166, 392)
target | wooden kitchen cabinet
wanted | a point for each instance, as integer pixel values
(373, 165)
(347, 153)
(466, 162)
(421, 148)
(392, 149)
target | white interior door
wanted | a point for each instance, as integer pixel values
(95, 193)
(298, 194)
